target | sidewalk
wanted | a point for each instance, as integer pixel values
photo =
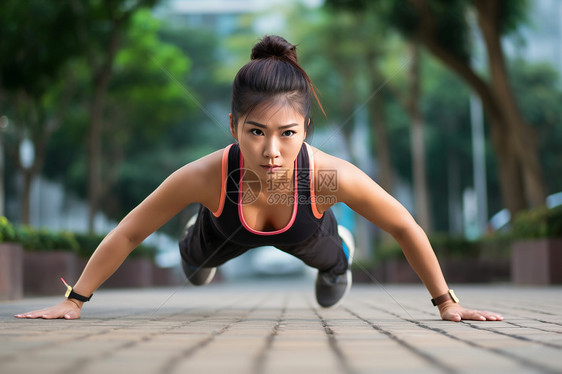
(276, 327)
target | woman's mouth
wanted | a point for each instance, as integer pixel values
(271, 168)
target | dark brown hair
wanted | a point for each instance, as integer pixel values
(272, 75)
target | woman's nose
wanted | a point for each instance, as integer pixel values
(271, 149)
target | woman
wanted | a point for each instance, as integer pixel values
(269, 188)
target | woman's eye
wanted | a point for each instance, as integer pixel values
(256, 132)
(289, 133)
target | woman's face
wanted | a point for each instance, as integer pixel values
(270, 138)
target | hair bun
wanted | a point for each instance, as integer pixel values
(272, 46)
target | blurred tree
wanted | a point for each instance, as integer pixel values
(36, 84)
(151, 120)
(144, 101)
(417, 136)
(448, 133)
(539, 96)
(353, 49)
(444, 30)
(207, 88)
(100, 28)
(408, 95)
(344, 59)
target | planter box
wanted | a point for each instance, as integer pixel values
(537, 262)
(388, 271)
(166, 276)
(455, 270)
(42, 272)
(400, 271)
(11, 271)
(474, 270)
(134, 272)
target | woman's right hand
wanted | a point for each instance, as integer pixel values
(67, 309)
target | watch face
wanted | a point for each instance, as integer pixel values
(68, 288)
(453, 296)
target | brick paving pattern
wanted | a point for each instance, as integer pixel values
(276, 327)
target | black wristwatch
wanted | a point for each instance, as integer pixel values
(70, 294)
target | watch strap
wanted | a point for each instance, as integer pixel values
(74, 295)
(450, 295)
(70, 294)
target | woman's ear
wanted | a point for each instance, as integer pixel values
(232, 127)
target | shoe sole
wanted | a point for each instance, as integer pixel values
(213, 271)
(347, 238)
(210, 277)
(190, 223)
(347, 288)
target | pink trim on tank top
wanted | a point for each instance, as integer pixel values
(241, 213)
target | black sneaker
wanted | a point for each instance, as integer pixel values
(197, 276)
(331, 289)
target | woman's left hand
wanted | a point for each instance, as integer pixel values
(451, 311)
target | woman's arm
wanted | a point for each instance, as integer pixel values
(198, 181)
(364, 196)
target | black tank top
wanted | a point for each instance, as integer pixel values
(228, 219)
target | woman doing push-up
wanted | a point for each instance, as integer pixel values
(268, 188)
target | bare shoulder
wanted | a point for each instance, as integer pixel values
(351, 186)
(333, 178)
(197, 182)
(324, 163)
(206, 166)
(202, 178)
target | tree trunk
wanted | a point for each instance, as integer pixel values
(379, 133)
(33, 115)
(94, 153)
(26, 198)
(520, 135)
(101, 77)
(418, 144)
(380, 138)
(509, 175)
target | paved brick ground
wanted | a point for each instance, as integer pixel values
(273, 327)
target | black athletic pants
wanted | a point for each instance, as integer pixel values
(205, 246)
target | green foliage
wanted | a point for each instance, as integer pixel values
(87, 244)
(44, 240)
(513, 14)
(448, 246)
(146, 94)
(449, 27)
(538, 223)
(7, 231)
(144, 251)
(538, 97)
(389, 250)
(146, 119)
(34, 50)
